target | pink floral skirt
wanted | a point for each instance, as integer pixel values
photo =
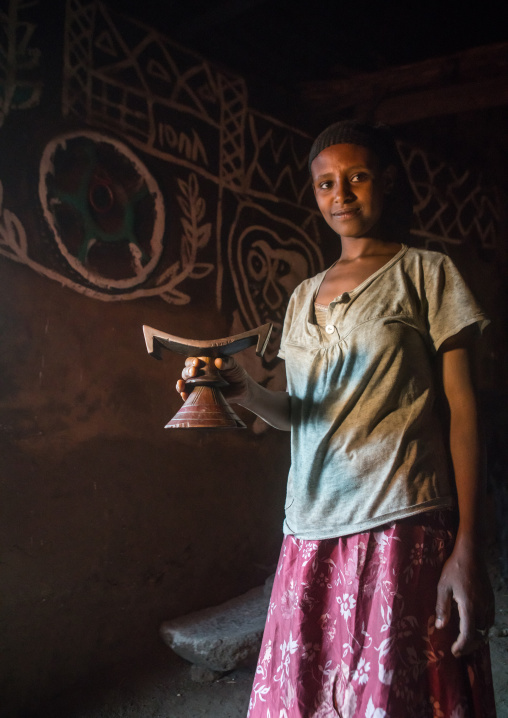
(350, 631)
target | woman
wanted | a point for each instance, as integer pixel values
(381, 604)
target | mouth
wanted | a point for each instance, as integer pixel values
(344, 214)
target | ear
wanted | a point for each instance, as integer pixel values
(389, 176)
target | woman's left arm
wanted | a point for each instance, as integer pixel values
(464, 578)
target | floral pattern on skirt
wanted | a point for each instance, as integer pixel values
(350, 631)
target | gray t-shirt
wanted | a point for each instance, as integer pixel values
(366, 441)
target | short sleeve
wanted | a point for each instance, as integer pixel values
(451, 306)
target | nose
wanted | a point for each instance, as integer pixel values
(343, 191)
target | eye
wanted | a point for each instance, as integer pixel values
(325, 185)
(360, 177)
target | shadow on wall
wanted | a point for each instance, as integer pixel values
(137, 186)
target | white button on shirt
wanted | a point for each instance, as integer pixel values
(329, 329)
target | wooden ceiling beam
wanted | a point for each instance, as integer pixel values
(452, 100)
(473, 79)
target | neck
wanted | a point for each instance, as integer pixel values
(357, 248)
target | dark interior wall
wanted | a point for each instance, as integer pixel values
(110, 524)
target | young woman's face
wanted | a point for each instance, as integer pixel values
(350, 189)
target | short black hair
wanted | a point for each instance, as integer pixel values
(377, 137)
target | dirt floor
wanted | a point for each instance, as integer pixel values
(499, 646)
(163, 687)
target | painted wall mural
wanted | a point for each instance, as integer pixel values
(268, 257)
(13, 242)
(450, 206)
(176, 179)
(178, 108)
(104, 208)
(20, 85)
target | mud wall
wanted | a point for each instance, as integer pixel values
(137, 186)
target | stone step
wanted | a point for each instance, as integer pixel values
(222, 637)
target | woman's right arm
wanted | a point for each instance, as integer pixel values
(271, 406)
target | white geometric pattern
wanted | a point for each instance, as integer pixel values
(450, 206)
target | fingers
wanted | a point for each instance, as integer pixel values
(191, 368)
(224, 363)
(465, 582)
(467, 640)
(470, 637)
(473, 630)
(194, 366)
(180, 387)
(443, 605)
